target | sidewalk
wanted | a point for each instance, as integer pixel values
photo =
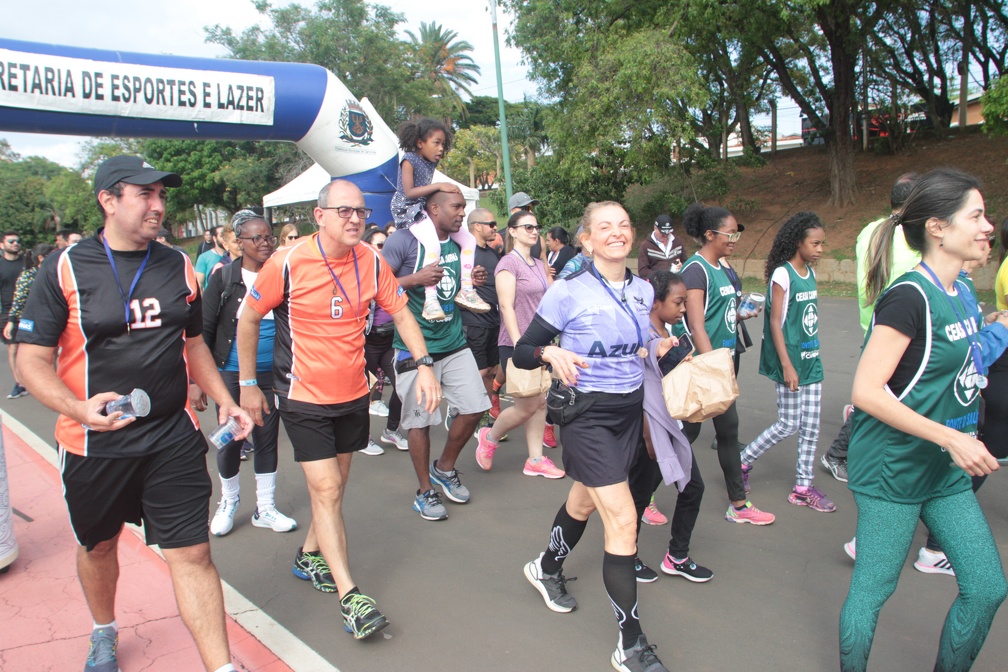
(46, 622)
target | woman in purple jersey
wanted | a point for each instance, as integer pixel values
(601, 315)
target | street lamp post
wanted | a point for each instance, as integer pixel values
(506, 153)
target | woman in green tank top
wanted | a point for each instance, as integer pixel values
(913, 442)
(711, 321)
(790, 353)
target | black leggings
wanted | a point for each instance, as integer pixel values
(726, 429)
(645, 477)
(264, 438)
(378, 353)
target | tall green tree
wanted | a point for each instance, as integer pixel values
(445, 61)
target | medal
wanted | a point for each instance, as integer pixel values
(981, 381)
(643, 353)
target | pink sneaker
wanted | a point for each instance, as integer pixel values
(549, 438)
(652, 516)
(543, 467)
(485, 449)
(850, 548)
(847, 410)
(750, 514)
(811, 497)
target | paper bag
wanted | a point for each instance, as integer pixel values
(701, 388)
(522, 383)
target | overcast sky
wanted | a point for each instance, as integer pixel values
(177, 28)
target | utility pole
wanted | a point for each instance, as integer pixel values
(506, 149)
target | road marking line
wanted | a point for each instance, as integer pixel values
(282, 642)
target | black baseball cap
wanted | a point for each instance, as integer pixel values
(131, 170)
(663, 223)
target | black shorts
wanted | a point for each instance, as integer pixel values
(600, 445)
(169, 491)
(483, 343)
(506, 353)
(338, 429)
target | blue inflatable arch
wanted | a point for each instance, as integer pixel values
(47, 88)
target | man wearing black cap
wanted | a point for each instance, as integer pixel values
(662, 251)
(125, 314)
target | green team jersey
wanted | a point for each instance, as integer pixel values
(800, 318)
(447, 335)
(888, 464)
(719, 305)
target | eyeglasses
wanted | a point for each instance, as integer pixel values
(345, 211)
(292, 237)
(260, 240)
(732, 237)
(379, 245)
(529, 228)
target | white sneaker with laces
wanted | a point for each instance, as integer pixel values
(274, 520)
(223, 520)
(372, 448)
(395, 438)
(933, 562)
(378, 408)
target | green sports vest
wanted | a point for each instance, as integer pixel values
(801, 331)
(886, 463)
(719, 306)
(446, 336)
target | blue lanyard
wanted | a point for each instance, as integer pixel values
(621, 304)
(973, 344)
(339, 284)
(126, 297)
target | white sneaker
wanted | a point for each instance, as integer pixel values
(432, 311)
(372, 448)
(223, 520)
(850, 548)
(378, 408)
(274, 520)
(931, 562)
(395, 438)
(471, 301)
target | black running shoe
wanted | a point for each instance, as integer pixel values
(552, 587)
(644, 573)
(312, 567)
(638, 658)
(361, 617)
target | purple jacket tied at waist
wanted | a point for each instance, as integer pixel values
(672, 450)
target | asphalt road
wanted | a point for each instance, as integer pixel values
(457, 600)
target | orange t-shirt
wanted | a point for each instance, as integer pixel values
(318, 355)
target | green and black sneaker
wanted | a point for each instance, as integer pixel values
(311, 566)
(361, 617)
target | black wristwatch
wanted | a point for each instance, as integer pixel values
(426, 360)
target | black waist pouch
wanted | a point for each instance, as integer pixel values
(564, 403)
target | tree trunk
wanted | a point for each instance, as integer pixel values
(530, 157)
(472, 173)
(745, 128)
(835, 23)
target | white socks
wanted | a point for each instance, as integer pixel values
(229, 488)
(113, 625)
(265, 488)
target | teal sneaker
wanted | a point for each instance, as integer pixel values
(102, 654)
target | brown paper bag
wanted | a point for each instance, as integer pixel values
(701, 388)
(523, 383)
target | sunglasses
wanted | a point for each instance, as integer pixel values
(732, 237)
(529, 228)
(292, 237)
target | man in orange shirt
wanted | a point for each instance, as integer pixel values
(320, 290)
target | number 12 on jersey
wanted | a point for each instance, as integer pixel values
(145, 313)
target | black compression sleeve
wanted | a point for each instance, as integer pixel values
(539, 334)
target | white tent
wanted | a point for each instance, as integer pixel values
(305, 188)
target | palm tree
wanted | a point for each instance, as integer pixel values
(529, 129)
(445, 61)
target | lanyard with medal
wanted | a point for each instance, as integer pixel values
(126, 297)
(974, 346)
(641, 350)
(337, 283)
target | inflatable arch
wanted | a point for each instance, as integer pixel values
(47, 88)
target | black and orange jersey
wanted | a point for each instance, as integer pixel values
(318, 354)
(76, 305)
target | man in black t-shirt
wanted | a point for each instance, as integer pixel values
(11, 265)
(125, 313)
(482, 329)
